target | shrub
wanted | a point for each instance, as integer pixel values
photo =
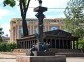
(12, 46)
(81, 45)
(3, 46)
(7, 46)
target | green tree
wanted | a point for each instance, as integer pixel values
(81, 45)
(1, 33)
(23, 4)
(75, 17)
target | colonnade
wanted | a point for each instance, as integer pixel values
(61, 43)
(25, 44)
(54, 43)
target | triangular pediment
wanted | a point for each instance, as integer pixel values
(57, 32)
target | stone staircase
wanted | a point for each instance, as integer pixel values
(70, 52)
(52, 52)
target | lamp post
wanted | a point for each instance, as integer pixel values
(40, 17)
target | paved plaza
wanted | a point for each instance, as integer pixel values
(12, 58)
(7, 60)
(75, 59)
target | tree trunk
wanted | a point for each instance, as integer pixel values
(25, 28)
(24, 23)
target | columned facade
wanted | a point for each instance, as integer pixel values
(54, 43)
(16, 26)
(53, 40)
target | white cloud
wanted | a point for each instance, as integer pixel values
(30, 13)
(3, 12)
(6, 28)
(46, 3)
(1, 1)
(50, 3)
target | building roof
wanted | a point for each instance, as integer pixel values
(58, 32)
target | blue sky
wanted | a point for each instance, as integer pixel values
(7, 13)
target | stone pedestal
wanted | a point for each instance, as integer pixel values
(59, 58)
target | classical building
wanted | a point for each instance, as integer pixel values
(58, 39)
(53, 34)
(16, 26)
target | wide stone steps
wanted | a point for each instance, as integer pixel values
(53, 52)
(71, 54)
(68, 52)
(65, 50)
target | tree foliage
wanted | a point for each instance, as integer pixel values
(1, 33)
(12, 3)
(74, 21)
(81, 45)
(23, 4)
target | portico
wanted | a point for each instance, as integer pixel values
(56, 39)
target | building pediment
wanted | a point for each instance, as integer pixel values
(58, 32)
